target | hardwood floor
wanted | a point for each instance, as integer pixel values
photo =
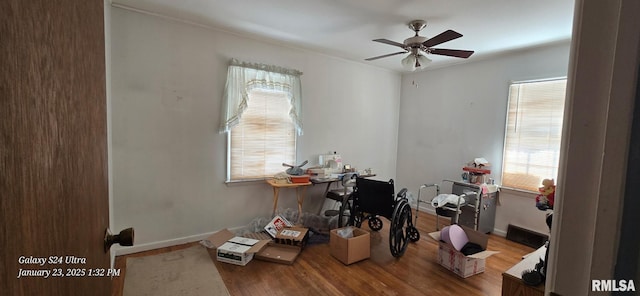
(316, 272)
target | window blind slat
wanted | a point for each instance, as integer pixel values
(264, 137)
(533, 133)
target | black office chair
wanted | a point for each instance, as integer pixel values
(347, 183)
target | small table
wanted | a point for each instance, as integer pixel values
(512, 284)
(299, 194)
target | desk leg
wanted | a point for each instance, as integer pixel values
(275, 200)
(327, 189)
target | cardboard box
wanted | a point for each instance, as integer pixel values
(350, 250)
(293, 236)
(458, 262)
(464, 266)
(234, 249)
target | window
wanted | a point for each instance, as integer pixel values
(264, 137)
(262, 114)
(533, 133)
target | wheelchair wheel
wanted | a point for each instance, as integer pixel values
(375, 223)
(399, 233)
(413, 233)
(344, 214)
(348, 214)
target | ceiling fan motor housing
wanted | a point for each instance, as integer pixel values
(415, 41)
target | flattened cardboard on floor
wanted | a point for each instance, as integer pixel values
(286, 247)
(234, 249)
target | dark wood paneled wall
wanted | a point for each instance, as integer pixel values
(53, 143)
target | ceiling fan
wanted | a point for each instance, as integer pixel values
(417, 46)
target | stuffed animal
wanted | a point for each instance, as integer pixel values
(546, 198)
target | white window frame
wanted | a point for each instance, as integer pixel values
(526, 185)
(229, 178)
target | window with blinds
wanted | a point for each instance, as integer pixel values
(263, 139)
(533, 133)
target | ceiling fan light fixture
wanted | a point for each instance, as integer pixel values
(422, 61)
(409, 62)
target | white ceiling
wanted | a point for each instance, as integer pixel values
(346, 28)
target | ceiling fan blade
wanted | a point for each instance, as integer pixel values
(443, 37)
(451, 52)
(384, 56)
(387, 41)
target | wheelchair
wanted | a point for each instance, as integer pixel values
(372, 199)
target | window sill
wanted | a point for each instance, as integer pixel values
(244, 182)
(519, 192)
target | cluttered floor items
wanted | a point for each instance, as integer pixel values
(271, 239)
(461, 250)
(372, 201)
(281, 241)
(317, 272)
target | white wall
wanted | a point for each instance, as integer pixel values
(449, 116)
(169, 159)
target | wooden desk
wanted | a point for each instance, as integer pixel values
(330, 181)
(512, 284)
(300, 190)
(327, 181)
